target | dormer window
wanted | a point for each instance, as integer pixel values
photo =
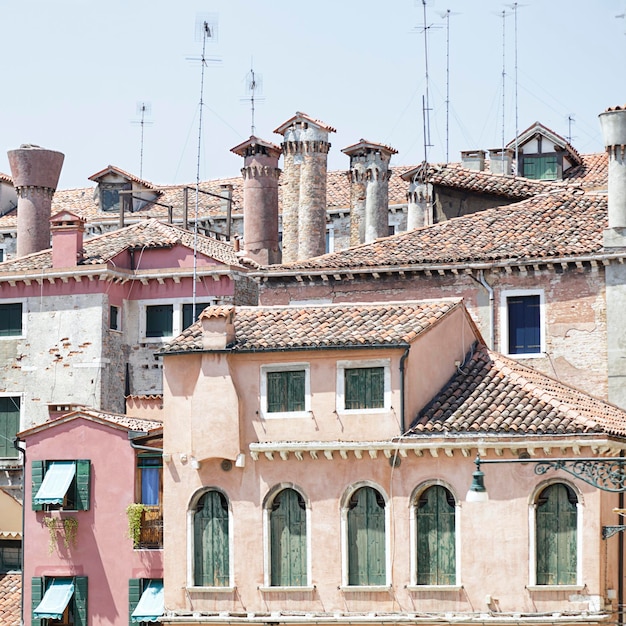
(110, 197)
(540, 167)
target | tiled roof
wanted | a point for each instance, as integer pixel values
(144, 234)
(327, 326)
(592, 173)
(545, 227)
(299, 116)
(5, 178)
(10, 599)
(111, 168)
(493, 394)
(527, 134)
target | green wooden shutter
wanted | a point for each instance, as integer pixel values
(80, 601)
(366, 538)
(83, 476)
(285, 391)
(364, 388)
(11, 319)
(36, 587)
(37, 473)
(134, 594)
(211, 548)
(556, 528)
(9, 425)
(436, 549)
(288, 540)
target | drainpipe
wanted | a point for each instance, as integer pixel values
(489, 289)
(16, 441)
(402, 361)
(137, 446)
(620, 566)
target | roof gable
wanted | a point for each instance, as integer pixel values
(116, 171)
(539, 129)
(303, 118)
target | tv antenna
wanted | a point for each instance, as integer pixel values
(426, 99)
(503, 14)
(254, 86)
(143, 109)
(446, 15)
(570, 121)
(205, 31)
(514, 7)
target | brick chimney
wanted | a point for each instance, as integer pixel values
(369, 190)
(419, 197)
(35, 173)
(305, 151)
(218, 327)
(473, 160)
(501, 161)
(260, 199)
(67, 239)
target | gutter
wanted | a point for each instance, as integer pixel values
(492, 316)
(136, 446)
(402, 391)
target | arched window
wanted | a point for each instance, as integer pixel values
(556, 530)
(211, 549)
(366, 538)
(288, 544)
(436, 537)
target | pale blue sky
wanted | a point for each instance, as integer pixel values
(75, 72)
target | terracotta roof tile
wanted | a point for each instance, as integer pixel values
(144, 234)
(5, 178)
(544, 227)
(329, 326)
(492, 393)
(10, 599)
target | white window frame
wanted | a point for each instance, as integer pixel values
(23, 302)
(191, 548)
(532, 539)
(504, 322)
(330, 231)
(267, 539)
(413, 586)
(285, 367)
(341, 385)
(344, 538)
(119, 317)
(177, 316)
(10, 460)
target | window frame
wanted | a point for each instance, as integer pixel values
(533, 585)
(414, 530)
(177, 316)
(267, 534)
(344, 365)
(79, 599)
(118, 317)
(17, 455)
(263, 389)
(22, 303)
(345, 548)
(191, 542)
(504, 322)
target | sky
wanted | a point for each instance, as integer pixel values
(77, 74)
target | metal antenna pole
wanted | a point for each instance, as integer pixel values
(503, 82)
(143, 108)
(427, 143)
(448, 86)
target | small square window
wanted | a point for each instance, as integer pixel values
(188, 317)
(285, 390)
(11, 319)
(159, 320)
(363, 385)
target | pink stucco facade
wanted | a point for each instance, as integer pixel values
(218, 438)
(102, 551)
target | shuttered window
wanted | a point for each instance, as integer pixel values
(436, 542)
(286, 391)
(364, 388)
(77, 496)
(541, 167)
(9, 425)
(10, 319)
(188, 317)
(288, 555)
(556, 526)
(524, 324)
(211, 548)
(366, 538)
(159, 320)
(75, 613)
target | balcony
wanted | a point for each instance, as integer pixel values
(151, 529)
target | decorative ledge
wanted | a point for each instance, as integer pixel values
(365, 588)
(555, 587)
(280, 589)
(211, 589)
(434, 587)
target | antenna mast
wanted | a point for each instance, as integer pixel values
(446, 15)
(426, 103)
(254, 85)
(143, 109)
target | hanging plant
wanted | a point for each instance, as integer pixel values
(134, 513)
(70, 528)
(67, 525)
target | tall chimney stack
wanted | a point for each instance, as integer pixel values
(369, 190)
(613, 124)
(305, 151)
(35, 173)
(260, 199)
